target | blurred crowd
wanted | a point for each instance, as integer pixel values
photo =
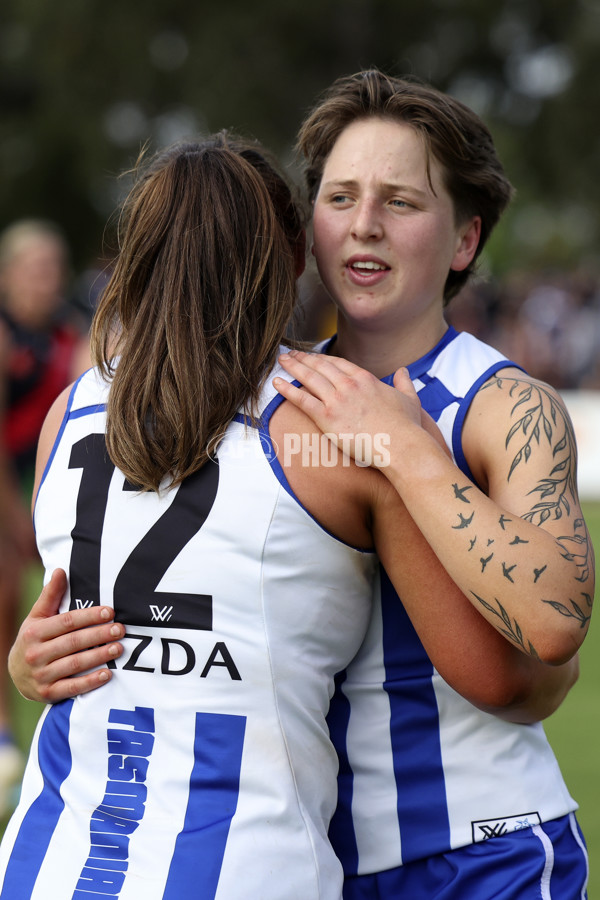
(547, 322)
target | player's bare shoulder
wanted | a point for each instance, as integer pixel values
(519, 433)
(337, 492)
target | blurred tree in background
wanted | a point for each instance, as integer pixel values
(84, 84)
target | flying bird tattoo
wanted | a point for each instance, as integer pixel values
(485, 561)
(463, 521)
(459, 493)
(506, 570)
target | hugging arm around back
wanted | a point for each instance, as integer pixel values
(57, 656)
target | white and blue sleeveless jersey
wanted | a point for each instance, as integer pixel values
(204, 770)
(422, 770)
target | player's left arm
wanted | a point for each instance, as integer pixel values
(471, 655)
(520, 444)
(513, 538)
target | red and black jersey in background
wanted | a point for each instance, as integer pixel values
(38, 368)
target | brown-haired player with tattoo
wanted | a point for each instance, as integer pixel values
(438, 799)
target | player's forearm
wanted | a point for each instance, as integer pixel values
(469, 654)
(515, 573)
(542, 691)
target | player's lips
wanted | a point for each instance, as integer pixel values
(366, 269)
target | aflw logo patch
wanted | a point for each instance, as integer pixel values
(490, 828)
(160, 613)
(83, 604)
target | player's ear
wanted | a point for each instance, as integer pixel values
(467, 243)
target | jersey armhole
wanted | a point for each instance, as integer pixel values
(464, 407)
(68, 414)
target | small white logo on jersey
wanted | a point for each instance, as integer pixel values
(243, 448)
(83, 604)
(490, 828)
(161, 614)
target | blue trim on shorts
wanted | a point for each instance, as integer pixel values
(544, 862)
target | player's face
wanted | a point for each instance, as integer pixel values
(385, 235)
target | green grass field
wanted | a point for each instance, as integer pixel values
(573, 731)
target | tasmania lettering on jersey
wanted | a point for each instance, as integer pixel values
(123, 806)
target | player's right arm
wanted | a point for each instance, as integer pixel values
(469, 653)
(52, 650)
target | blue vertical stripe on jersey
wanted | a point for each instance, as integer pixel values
(415, 732)
(341, 830)
(434, 396)
(214, 789)
(42, 816)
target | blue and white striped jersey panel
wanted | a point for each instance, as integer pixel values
(204, 769)
(422, 771)
(448, 377)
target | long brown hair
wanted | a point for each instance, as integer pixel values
(200, 296)
(452, 133)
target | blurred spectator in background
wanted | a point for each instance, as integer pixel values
(43, 346)
(549, 322)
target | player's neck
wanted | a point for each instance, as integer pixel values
(382, 353)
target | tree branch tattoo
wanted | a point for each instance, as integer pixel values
(580, 548)
(509, 628)
(576, 611)
(537, 418)
(541, 418)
